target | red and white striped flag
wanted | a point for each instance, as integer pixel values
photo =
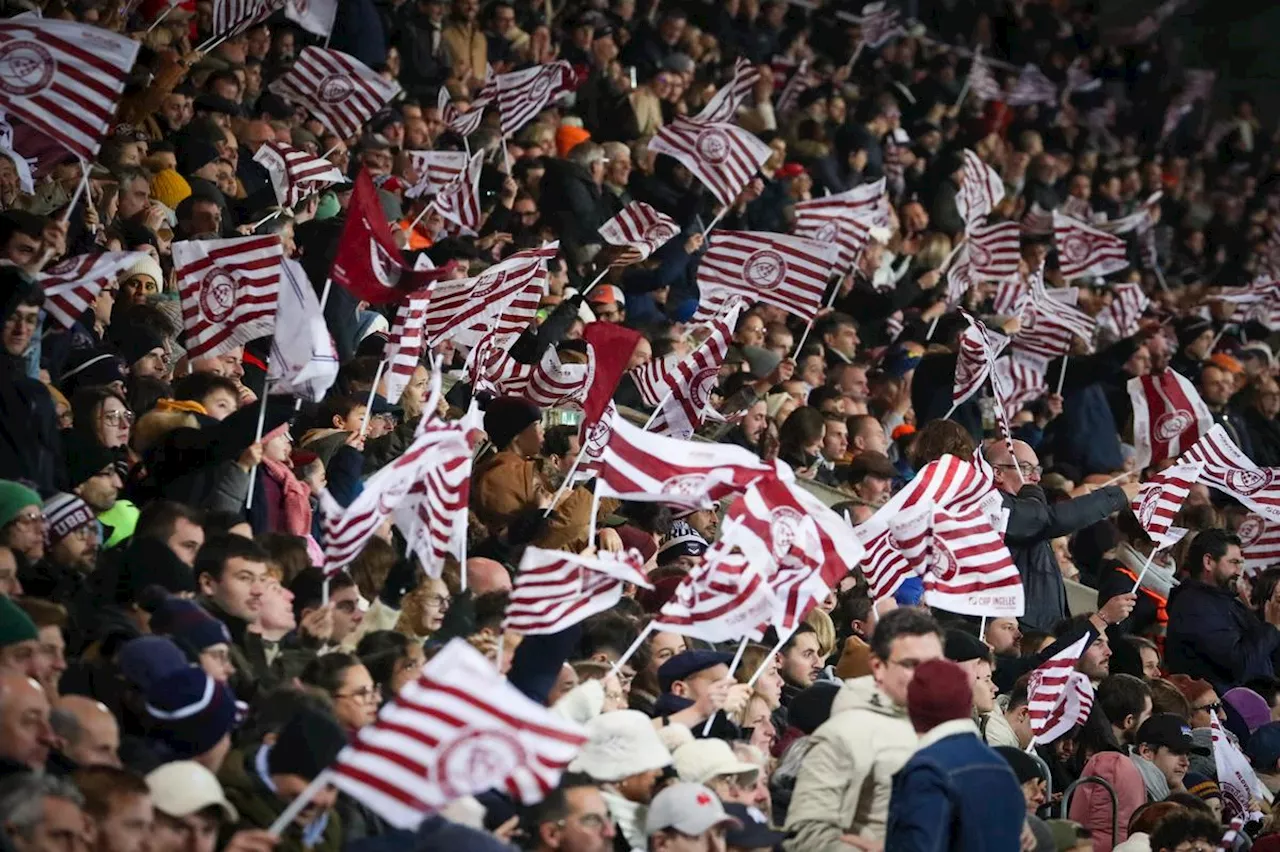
(966, 566)
(1037, 221)
(554, 590)
(553, 384)
(651, 378)
(232, 16)
(1020, 382)
(339, 89)
(64, 78)
(593, 438)
(687, 400)
(797, 84)
(866, 199)
(981, 189)
(1032, 87)
(521, 95)
(1010, 296)
(459, 201)
(723, 156)
(490, 367)
(724, 598)
(1160, 498)
(1058, 696)
(460, 122)
(1123, 315)
(1049, 324)
(724, 104)
(640, 227)
(459, 729)
(983, 82)
(435, 170)
(500, 301)
(1168, 416)
(1259, 543)
(1259, 302)
(847, 228)
(975, 357)
(230, 289)
(1085, 251)
(995, 249)
(1230, 471)
(1239, 782)
(878, 24)
(295, 174)
(404, 347)
(959, 276)
(71, 286)
(790, 273)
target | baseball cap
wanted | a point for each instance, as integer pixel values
(689, 809)
(755, 832)
(184, 787)
(1170, 731)
(607, 294)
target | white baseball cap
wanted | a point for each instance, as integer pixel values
(702, 760)
(184, 787)
(688, 808)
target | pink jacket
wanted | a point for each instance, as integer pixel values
(1091, 805)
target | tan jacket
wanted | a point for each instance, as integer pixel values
(465, 43)
(844, 781)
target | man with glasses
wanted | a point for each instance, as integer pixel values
(21, 521)
(1034, 524)
(71, 548)
(572, 818)
(1212, 634)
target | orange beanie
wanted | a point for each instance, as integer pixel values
(568, 137)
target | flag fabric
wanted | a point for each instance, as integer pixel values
(724, 598)
(975, 357)
(1084, 251)
(493, 302)
(983, 82)
(959, 276)
(639, 227)
(554, 384)
(1032, 87)
(433, 518)
(847, 228)
(368, 262)
(593, 438)
(462, 123)
(611, 346)
(232, 16)
(1058, 696)
(1259, 543)
(459, 202)
(790, 273)
(490, 367)
(1168, 416)
(340, 90)
(687, 401)
(797, 84)
(294, 173)
(1050, 323)
(1160, 498)
(1010, 296)
(963, 560)
(1259, 302)
(995, 249)
(650, 379)
(304, 361)
(723, 106)
(64, 78)
(459, 729)
(314, 16)
(521, 95)
(981, 189)
(71, 286)
(435, 170)
(878, 24)
(1239, 783)
(404, 347)
(1124, 314)
(723, 156)
(554, 590)
(230, 290)
(1230, 471)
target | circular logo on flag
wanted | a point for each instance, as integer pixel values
(1250, 530)
(393, 494)
(487, 283)
(217, 296)
(25, 68)
(1147, 508)
(335, 88)
(62, 267)
(1074, 249)
(1173, 423)
(597, 436)
(685, 485)
(385, 267)
(713, 145)
(541, 84)
(828, 232)
(478, 760)
(979, 255)
(945, 566)
(659, 233)
(1248, 481)
(704, 381)
(765, 269)
(787, 530)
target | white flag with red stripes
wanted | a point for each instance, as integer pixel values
(1085, 251)
(554, 590)
(491, 367)
(64, 78)
(1058, 696)
(796, 85)
(459, 121)
(724, 104)
(640, 227)
(435, 170)
(981, 189)
(294, 173)
(501, 300)
(233, 16)
(230, 290)
(878, 24)
(975, 356)
(458, 729)
(1230, 471)
(1032, 87)
(1050, 323)
(340, 90)
(847, 228)
(982, 80)
(71, 286)
(554, 384)
(405, 347)
(790, 273)
(1259, 542)
(1124, 314)
(459, 201)
(1019, 382)
(1240, 784)
(723, 156)
(724, 598)
(1168, 416)
(995, 249)
(314, 16)
(1160, 498)
(687, 400)
(523, 94)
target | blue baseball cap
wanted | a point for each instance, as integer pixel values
(688, 664)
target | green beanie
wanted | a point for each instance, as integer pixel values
(328, 207)
(15, 625)
(14, 497)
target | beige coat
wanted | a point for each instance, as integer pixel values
(844, 782)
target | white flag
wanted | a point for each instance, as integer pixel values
(1236, 777)
(304, 361)
(314, 16)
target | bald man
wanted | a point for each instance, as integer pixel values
(26, 736)
(89, 732)
(1033, 524)
(486, 575)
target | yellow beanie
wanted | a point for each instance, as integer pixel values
(169, 188)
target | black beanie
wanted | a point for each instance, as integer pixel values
(148, 562)
(1022, 764)
(812, 706)
(508, 416)
(134, 340)
(308, 744)
(88, 458)
(962, 646)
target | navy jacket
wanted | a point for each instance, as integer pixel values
(954, 794)
(1214, 636)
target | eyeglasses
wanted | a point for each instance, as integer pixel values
(439, 601)
(1027, 469)
(1211, 708)
(364, 693)
(115, 418)
(29, 518)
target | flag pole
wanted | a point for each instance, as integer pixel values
(1062, 376)
(289, 814)
(831, 300)
(616, 667)
(258, 224)
(373, 391)
(982, 630)
(415, 222)
(158, 21)
(595, 510)
(262, 417)
(964, 92)
(1143, 572)
(716, 220)
(75, 199)
(564, 486)
(857, 51)
(765, 662)
(596, 280)
(733, 667)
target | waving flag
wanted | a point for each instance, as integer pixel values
(404, 347)
(554, 590)
(1240, 784)
(797, 84)
(295, 174)
(1032, 87)
(1230, 471)
(640, 227)
(1020, 383)
(1084, 251)
(234, 16)
(611, 347)
(847, 228)
(463, 123)
(964, 562)
(1168, 416)
(553, 384)
(340, 90)
(459, 201)
(1124, 314)
(433, 518)
(1259, 302)
(995, 249)
(981, 189)
(687, 401)
(523, 94)
(651, 377)
(787, 272)
(1160, 498)
(723, 156)
(1259, 543)
(64, 78)
(1058, 696)
(71, 286)
(435, 170)
(459, 729)
(983, 82)
(724, 598)
(314, 16)
(977, 353)
(304, 361)
(959, 276)
(466, 308)
(230, 290)
(1050, 323)
(724, 104)
(878, 24)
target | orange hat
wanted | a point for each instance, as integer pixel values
(569, 137)
(1226, 362)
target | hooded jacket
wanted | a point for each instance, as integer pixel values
(1091, 803)
(258, 808)
(845, 781)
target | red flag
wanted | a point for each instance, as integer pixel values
(554, 590)
(459, 729)
(1168, 416)
(723, 106)
(1058, 696)
(1084, 251)
(787, 272)
(500, 301)
(612, 346)
(342, 91)
(687, 400)
(230, 290)
(981, 189)
(295, 174)
(368, 262)
(1160, 498)
(994, 250)
(723, 156)
(525, 93)
(64, 78)
(1230, 471)
(71, 286)
(640, 227)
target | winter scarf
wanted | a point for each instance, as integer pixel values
(628, 817)
(296, 503)
(1159, 578)
(1152, 778)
